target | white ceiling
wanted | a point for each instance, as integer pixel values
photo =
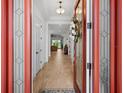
(58, 24)
(62, 29)
(48, 9)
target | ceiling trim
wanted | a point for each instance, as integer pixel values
(59, 22)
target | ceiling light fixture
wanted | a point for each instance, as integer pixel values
(60, 10)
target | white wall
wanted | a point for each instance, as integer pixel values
(47, 43)
(69, 40)
(65, 40)
(39, 41)
(71, 47)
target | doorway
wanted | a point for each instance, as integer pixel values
(24, 84)
(52, 64)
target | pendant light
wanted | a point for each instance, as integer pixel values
(60, 10)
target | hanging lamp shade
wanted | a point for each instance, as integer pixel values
(60, 10)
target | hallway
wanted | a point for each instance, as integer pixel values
(36, 35)
(56, 74)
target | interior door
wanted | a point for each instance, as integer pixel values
(79, 48)
(101, 47)
(106, 46)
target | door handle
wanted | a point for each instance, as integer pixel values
(37, 52)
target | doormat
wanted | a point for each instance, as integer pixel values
(57, 91)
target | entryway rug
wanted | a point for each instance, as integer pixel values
(57, 91)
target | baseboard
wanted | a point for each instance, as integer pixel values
(38, 72)
(77, 90)
(41, 68)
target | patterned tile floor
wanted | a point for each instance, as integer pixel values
(58, 91)
(56, 75)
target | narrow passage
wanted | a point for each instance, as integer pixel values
(56, 74)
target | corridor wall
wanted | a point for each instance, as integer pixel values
(71, 47)
(39, 40)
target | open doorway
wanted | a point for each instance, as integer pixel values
(53, 46)
(56, 42)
